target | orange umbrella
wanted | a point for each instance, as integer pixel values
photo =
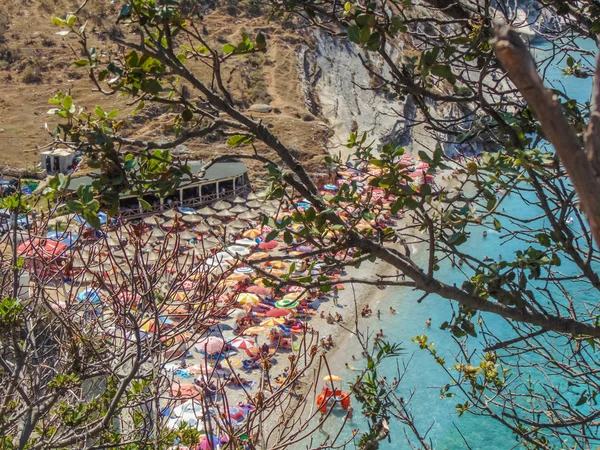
(257, 256)
(272, 322)
(254, 330)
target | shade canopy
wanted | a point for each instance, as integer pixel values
(207, 211)
(239, 200)
(221, 205)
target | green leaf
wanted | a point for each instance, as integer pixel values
(239, 139)
(497, 224)
(81, 62)
(152, 86)
(261, 41)
(132, 59)
(100, 112)
(187, 115)
(444, 71)
(354, 34)
(71, 20)
(374, 41)
(58, 21)
(112, 113)
(365, 34)
(228, 49)
(147, 206)
(67, 102)
(75, 205)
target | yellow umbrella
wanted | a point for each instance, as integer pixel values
(254, 330)
(247, 298)
(332, 378)
(252, 234)
(272, 322)
(292, 296)
(279, 265)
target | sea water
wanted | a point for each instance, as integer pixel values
(423, 375)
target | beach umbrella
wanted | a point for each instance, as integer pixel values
(198, 369)
(332, 378)
(153, 220)
(238, 209)
(244, 270)
(239, 224)
(260, 290)
(168, 224)
(213, 222)
(255, 204)
(272, 322)
(243, 343)
(209, 243)
(246, 298)
(89, 295)
(270, 245)
(254, 330)
(188, 235)
(246, 242)
(202, 228)
(251, 196)
(279, 265)
(304, 249)
(330, 187)
(258, 256)
(239, 249)
(261, 194)
(268, 210)
(186, 210)
(278, 312)
(221, 205)
(69, 239)
(239, 200)
(130, 298)
(191, 218)
(184, 390)
(252, 234)
(292, 296)
(211, 344)
(225, 213)
(207, 211)
(286, 303)
(248, 215)
(171, 214)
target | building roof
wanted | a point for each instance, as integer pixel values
(218, 171)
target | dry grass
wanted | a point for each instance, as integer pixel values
(36, 64)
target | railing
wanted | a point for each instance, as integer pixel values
(137, 213)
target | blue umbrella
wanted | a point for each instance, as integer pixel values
(90, 295)
(304, 205)
(330, 187)
(68, 239)
(186, 210)
(102, 217)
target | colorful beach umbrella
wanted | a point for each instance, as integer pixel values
(254, 330)
(252, 234)
(332, 378)
(246, 298)
(272, 322)
(89, 295)
(243, 343)
(286, 303)
(211, 345)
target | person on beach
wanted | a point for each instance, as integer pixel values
(378, 314)
(335, 296)
(392, 310)
(428, 323)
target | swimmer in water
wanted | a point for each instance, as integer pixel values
(428, 323)
(392, 310)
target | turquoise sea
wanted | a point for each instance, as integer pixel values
(423, 375)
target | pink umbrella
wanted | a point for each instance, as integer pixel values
(187, 285)
(278, 312)
(243, 343)
(259, 290)
(270, 245)
(236, 413)
(423, 165)
(211, 344)
(416, 174)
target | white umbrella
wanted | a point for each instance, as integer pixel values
(255, 204)
(239, 200)
(207, 211)
(225, 213)
(246, 242)
(202, 228)
(221, 205)
(188, 235)
(238, 209)
(171, 214)
(153, 220)
(248, 215)
(192, 218)
(239, 249)
(213, 222)
(251, 196)
(239, 224)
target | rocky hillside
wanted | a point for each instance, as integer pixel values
(308, 86)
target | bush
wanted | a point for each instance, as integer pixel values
(31, 75)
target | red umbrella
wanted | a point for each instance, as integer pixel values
(268, 245)
(277, 312)
(243, 343)
(45, 248)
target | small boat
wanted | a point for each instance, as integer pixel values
(488, 259)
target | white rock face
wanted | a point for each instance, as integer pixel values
(340, 87)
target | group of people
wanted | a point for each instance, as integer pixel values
(328, 343)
